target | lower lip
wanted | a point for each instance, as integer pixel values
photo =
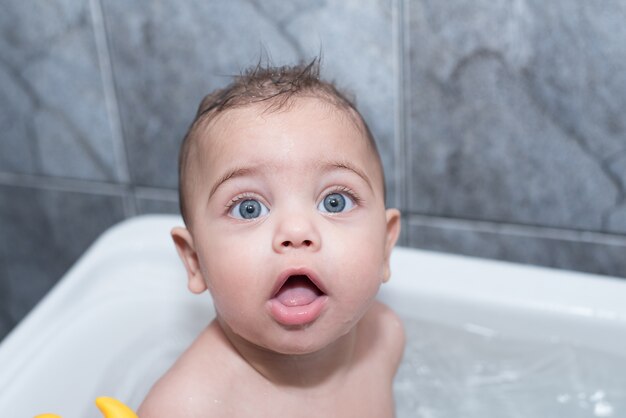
(297, 315)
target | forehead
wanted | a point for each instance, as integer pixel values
(298, 136)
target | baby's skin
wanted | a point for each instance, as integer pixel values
(289, 234)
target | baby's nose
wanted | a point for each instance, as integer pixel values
(296, 232)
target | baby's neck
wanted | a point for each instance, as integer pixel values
(297, 370)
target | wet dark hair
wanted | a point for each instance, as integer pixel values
(278, 87)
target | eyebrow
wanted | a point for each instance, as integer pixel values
(233, 173)
(325, 166)
(346, 165)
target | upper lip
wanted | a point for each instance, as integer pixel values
(297, 271)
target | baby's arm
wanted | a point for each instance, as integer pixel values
(185, 390)
(172, 396)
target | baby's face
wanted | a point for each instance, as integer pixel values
(289, 225)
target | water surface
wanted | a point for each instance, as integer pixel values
(472, 372)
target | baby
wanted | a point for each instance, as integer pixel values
(282, 194)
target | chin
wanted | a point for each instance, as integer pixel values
(303, 340)
(295, 343)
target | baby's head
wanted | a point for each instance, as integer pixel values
(269, 90)
(282, 192)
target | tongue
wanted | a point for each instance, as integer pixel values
(297, 291)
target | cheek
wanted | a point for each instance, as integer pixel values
(224, 271)
(360, 247)
(358, 255)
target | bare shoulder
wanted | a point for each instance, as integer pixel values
(166, 397)
(191, 384)
(383, 328)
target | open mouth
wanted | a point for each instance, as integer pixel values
(298, 301)
(298, 290)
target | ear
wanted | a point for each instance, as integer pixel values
(393, 231)
(187, 253)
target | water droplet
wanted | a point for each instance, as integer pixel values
(564, 398)
(603, 409)
(597, 396)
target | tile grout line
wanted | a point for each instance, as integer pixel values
(62, 184)
(398, 131)
(401, 139)
(111, 102)
(85, 186)
(517, 230)
(155, 193)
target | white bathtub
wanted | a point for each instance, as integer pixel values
(486, 339)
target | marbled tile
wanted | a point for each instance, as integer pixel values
(18, 147)
(616, 220)
(167, 55)
(577, 73)
(597, 257)
(515, 111)
(6, 322)
(52, 103)
(43, 233)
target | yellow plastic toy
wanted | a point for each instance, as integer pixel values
(110, 408)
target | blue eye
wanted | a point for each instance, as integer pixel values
(335, 203)
(249, 209)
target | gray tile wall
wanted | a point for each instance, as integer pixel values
(500, 123)
(516, 133)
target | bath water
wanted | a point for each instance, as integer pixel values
(472, 372)
(446, 372)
